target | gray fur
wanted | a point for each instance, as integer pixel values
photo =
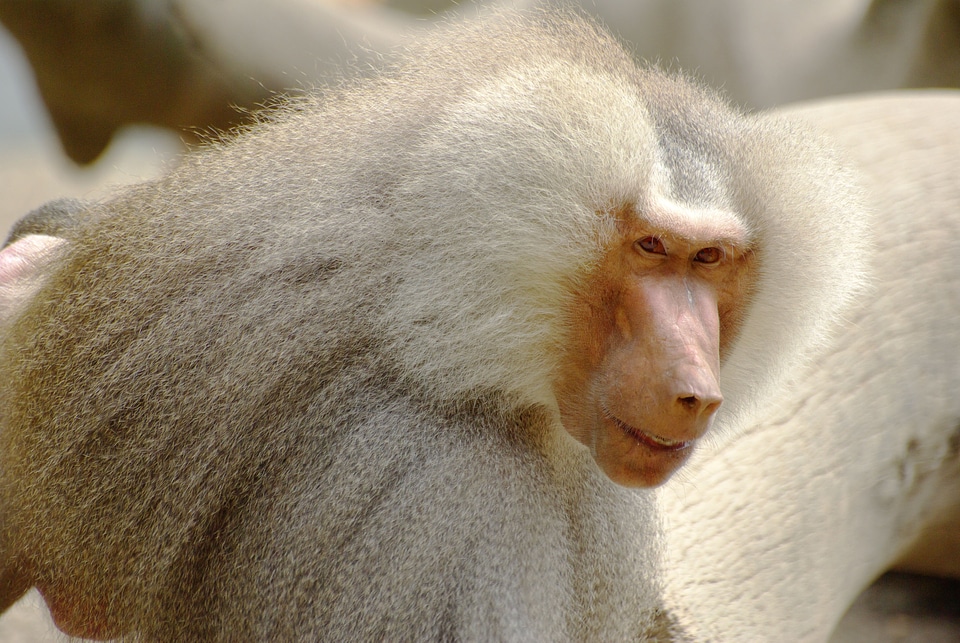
(300, 389)
(55, 218)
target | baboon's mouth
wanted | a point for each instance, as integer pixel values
(650, 440)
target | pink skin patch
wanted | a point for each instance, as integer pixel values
(22, 266)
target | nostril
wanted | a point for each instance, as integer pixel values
(696, 404)
(690, 402)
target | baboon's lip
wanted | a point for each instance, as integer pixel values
(651, 440)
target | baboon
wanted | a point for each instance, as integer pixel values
(391, 363)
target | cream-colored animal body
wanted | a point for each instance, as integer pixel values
(375, 368)
(857, 469)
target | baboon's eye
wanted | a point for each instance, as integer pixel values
(651, 245)
(709, 255)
